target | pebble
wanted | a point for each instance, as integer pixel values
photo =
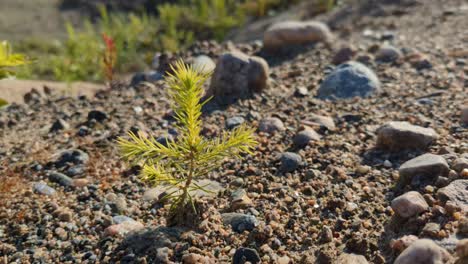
(43, 188)
(460, 164)
(240, 200)
(240, 222)
(301, 91)
(431, 230)
(149, 76)
(97, 115)
(321, 121)
(271, 125)
(348, 80)
(204, 64)
(74, 156)
(244, 255)
(60, 178)
(344, 54)
(403, 242)
(425, 168)
(423, 251)
(326, 235)
(290, 161)
(234, 122)
(305, 136)
(58, 125)
(237, 76)
(388, 53)
(118, 219)
(193, 258)
(290, 33)
(123, 228)
(456, 192)
(396, 136)
(409, 204)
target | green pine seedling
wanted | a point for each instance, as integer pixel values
(180, 163)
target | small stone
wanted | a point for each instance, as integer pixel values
(240, 222)
(403, 242)
(118, 219)
(162, 255)
(326, 235)
(150, 76)
(284, 260)
(60, 178)
(351, 259)
(321, 121)
(387, 54)
(423, 251)
(460, 164)
(61, 233)
(348, 80)
(271, 125)
(290, 161)
(59, 124)
(431, 230)
(409, 204)
(234, 122)
(290, 33)
(204, 64)
(73, 156)
(43, 188)
(82, 182)
(244, 255)
(425, 168)
(238, 76)
(396, 136)
(305, 136)
(463, 226)
(123, 228)
(344, 54)
(387, 164)
(456, 192)
(97, 115)
(65, 215)
(301, 91)
(240, 200)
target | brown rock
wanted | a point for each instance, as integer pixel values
(409, 204)
(423, 251)
(396, 136)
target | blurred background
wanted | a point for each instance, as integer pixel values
(64, 38)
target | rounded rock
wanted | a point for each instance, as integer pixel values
(349, 80)
(409, 204)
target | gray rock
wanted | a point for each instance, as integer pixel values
(151, 76)
(388, 53)
(457, 192)
(290, 161)
(423, 251)
(204, 64)
(321, 121)
(349, 80)
(409, 204)
(305, 136)
(240, 222)
(290, 33)
(60, 178)
(43, 188)
(237, 76)
(271, 125)
(244, 255)
(118, 219)
(422, 169)
(460, 164)
(59, 124)
(73, 156)
(396, 136)
(234, 122)
(351, 259)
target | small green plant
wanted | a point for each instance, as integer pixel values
(180, 163)
(9, 60)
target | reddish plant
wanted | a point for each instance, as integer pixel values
(109, 57)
